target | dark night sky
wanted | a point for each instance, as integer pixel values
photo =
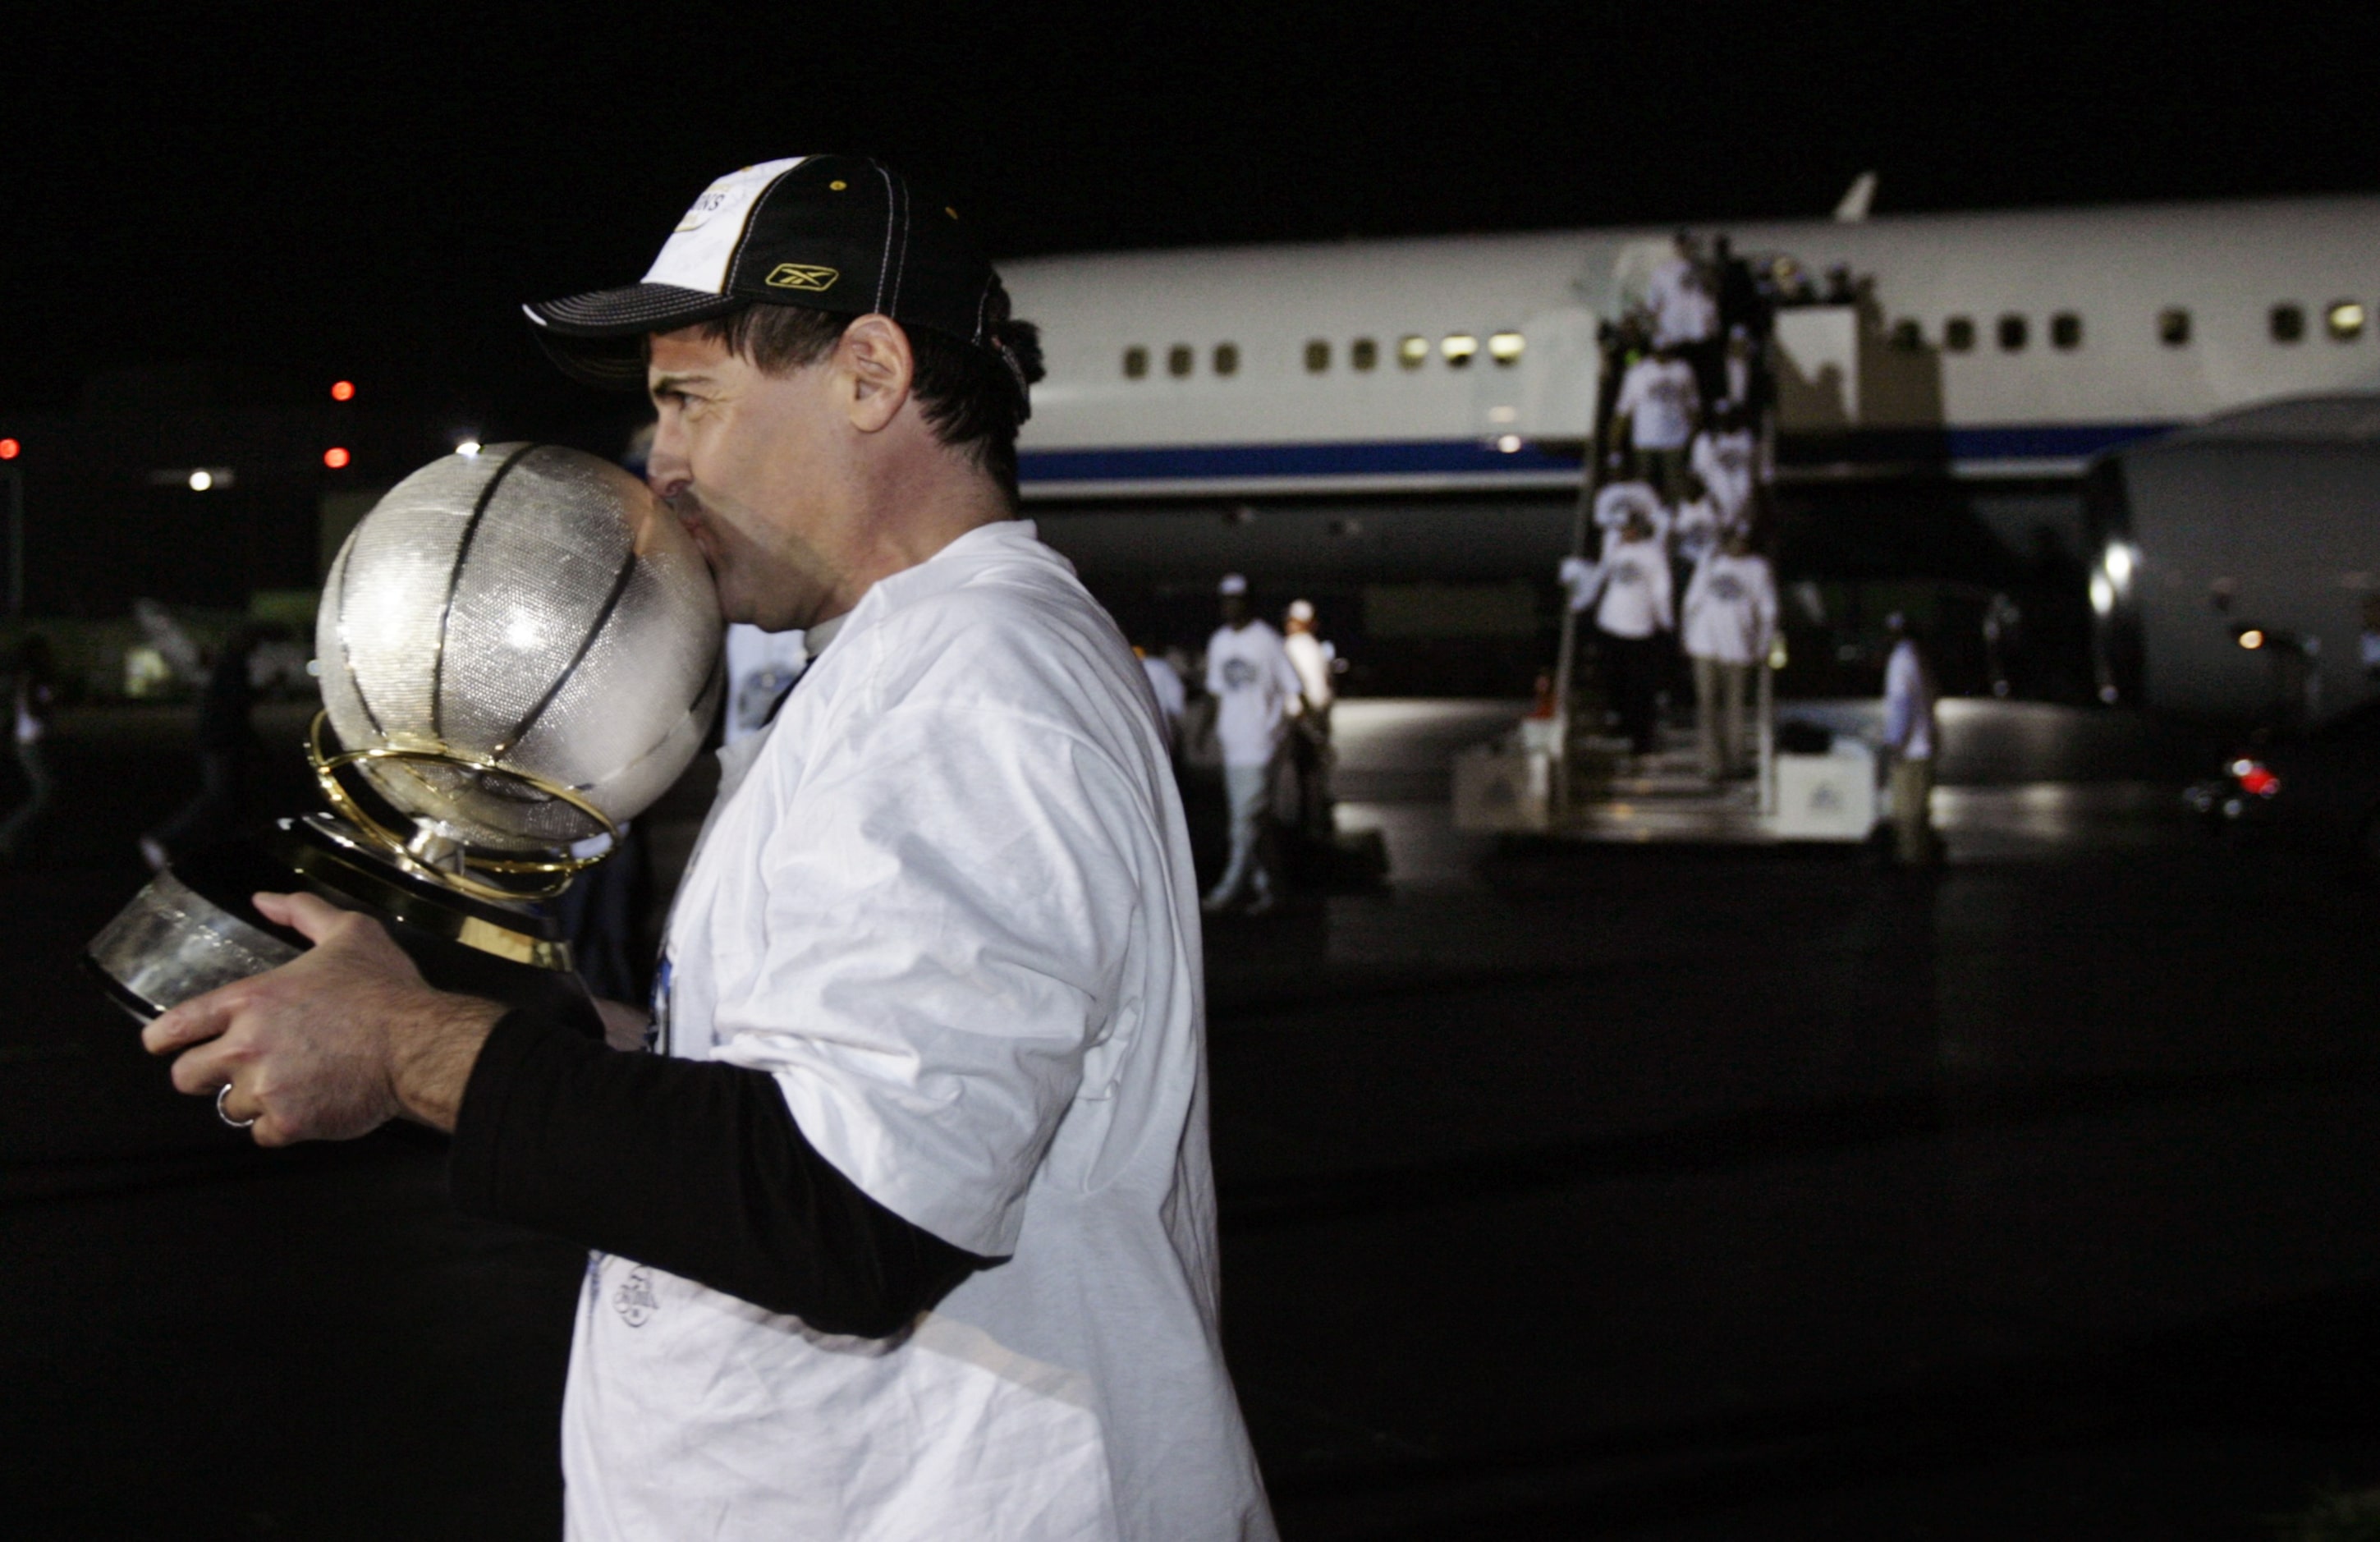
(371, 195)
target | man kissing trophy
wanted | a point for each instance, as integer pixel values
(518, 650)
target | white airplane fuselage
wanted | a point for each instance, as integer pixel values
(1275, 424)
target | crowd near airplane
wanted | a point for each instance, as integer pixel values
(1975, 346)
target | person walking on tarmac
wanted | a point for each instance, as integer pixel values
(1911, 738)
(36, 696)
(1310, 737)
(1729, 615)
(1630, 590)
(1255, 690)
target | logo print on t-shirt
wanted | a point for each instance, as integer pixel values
(634, 1300)
(1726, 588)
(1238, 674)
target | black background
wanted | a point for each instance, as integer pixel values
(371, 194)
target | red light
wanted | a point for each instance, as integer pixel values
(10, 449)
(343, 391)
(335, 458)
(2258, 781)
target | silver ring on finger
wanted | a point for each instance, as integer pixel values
(221, 1093)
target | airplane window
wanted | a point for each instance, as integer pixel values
(1906, 336)
(1135, 362)
(2173, 326)
(2013, 332)
(2066, 330)
(2288, 323)
(1227, 358)
(1363, 353)
(1458, 348)
(1412, 352)
(1178, 359)
(2345, 320)
(1317, 356)
(1505, 347)
(1958, 333)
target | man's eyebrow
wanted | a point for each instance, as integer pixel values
(671, 382)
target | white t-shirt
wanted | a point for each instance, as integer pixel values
(1724, 462)
(1249, 675)
(1173, 697)
(1310, 656)
(947, 901)
(1683, 310)
(1659, 398)
(1731, 609)
(761, 667)
(1635, 585)
(1698, 530)
(1908, 704)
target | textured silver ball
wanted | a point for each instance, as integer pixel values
(529, 606)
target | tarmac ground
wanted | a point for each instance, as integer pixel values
(1567, 1191)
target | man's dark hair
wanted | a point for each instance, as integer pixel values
(973, 401)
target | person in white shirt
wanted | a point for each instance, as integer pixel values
(1256, 691)
(34, 699)
(1726, 458)
(903, 1222)
(1618, 501)
(1660, 404)
(1679, 295)
(1910, 738)
(1729, 616)
(1630, 590)
(1172, 696)
(1310, 730)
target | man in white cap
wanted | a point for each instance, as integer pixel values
(1256, 691)
(1314, 660)
(900, 1203)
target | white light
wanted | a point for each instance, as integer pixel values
(2103, 594)
(201, 482)
(2118, 562)
(469, 447)
(523, 633)
(1510, 443)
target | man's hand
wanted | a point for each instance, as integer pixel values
(332, 1044)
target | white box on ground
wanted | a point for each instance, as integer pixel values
(1502, 787)
(1828, 797)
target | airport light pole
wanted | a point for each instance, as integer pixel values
(15, 484)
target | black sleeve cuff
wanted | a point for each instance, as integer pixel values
(690, 1166)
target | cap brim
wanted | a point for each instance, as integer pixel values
(598, 338)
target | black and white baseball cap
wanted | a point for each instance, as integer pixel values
(838, 233)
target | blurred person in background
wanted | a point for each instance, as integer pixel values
(1911, 738)
(1630, 590)
(1173, 696)
(227, 751)
(1255, 690)
(36, 698)
(1661, 404)
(1731, 614)
(1314, 660)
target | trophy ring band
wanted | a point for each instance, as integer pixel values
(221, 1093)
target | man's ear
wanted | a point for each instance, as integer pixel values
(877, 367)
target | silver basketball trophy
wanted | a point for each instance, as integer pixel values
(519, 651)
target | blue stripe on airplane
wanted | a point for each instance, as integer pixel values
(1444, 456)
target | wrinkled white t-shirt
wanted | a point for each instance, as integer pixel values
(1731, 609)
(1659, 398)
(948, 903)
(1253, 682)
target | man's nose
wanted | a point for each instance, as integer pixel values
(667, 471)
